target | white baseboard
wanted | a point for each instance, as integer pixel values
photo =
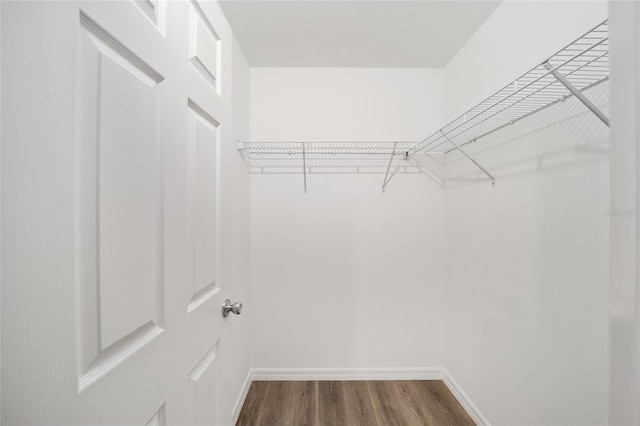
(241, 397)
(418, 373)
(464, 400)
(434, 373)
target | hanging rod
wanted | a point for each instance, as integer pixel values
(580, 65)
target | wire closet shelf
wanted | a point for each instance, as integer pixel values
(579, 66)
(324, 150)
(582, 64)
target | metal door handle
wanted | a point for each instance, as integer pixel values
(236, 308)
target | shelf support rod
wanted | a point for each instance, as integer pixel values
(577, 93)
(393, 152)
(493, 180)
(304, 165)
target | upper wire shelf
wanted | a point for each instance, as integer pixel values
(582, 64)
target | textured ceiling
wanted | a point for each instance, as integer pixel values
(357, 33)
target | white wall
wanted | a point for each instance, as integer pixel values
(625, 303)
(526, 294)
(345, 276)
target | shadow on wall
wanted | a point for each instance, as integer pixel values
(561, 136)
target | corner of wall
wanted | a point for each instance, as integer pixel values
(242, 396)
(464, 400)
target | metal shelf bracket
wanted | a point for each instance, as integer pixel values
(577, 93)
(393, 152)
(493, 180)
(304, 165)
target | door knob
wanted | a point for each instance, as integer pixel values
(236, 308)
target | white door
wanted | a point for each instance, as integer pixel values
(111, 116)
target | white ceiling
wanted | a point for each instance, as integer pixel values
(356, 33)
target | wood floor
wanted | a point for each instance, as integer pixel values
(366, 403)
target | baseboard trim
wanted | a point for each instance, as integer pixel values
(464, 400)
(241, 397)
(264, 374)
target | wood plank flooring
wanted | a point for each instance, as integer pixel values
(357, 403)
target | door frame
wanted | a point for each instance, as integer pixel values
(624, 382)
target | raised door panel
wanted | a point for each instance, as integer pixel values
(158, 418)
(203, 393)
(204, 46)
(203, 191)
(128, 203)
(154, 11)
(120, 202)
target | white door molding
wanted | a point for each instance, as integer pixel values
(624, 214)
